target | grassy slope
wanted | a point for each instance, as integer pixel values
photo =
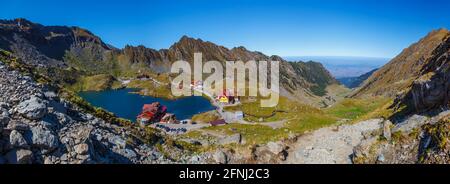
(95, 83)
(299, 118)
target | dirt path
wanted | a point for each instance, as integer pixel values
(328, 145)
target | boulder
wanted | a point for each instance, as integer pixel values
(117, 140)
(20, 156)
(128, 153)
(220, 157)
(16, 140)
(82, 148)
(4, 118)
(19, 126)
(235, 138)
(33, 109)
(410, 123)
(42, 138)
(387, 130)
(431, 91)
(275, 147)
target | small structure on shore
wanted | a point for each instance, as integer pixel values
(151, 113)
(227, 97)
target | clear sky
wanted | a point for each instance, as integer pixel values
(380, 28)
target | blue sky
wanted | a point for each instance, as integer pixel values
(287, 28)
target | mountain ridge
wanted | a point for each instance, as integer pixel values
(400, 72)
(62, 46)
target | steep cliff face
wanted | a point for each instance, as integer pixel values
(398, 75)
(432, 88)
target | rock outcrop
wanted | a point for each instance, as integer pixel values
(415, 139)
(432, 89)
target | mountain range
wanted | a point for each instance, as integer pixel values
(86, 54)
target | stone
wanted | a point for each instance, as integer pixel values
(48, 160)
(387, 130)
(220, 157)
(19, 126)
(235, 138)
(82, 148)
(381, 158)
(410, 123)
(50, 94)
(19, 156)
(118, 141)
(129, 153)
(63, 157)
(194, 159)
(42, 138)
(16, 140)
(33, 109)
(4, 119)
(275, 147)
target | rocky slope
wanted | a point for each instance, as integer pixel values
(418, 131)
(37, 126)
(431, 89)
(415, 139)
(400, 72)
(61, 47)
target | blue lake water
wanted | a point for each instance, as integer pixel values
(128, 105)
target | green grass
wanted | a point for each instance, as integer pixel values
(95, 83)
(150, 88)
(355, 109)
(299, 118)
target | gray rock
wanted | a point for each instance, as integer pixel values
(82, 148)
(220, 157)
(48, 160)
(387, 130)
(50, 94)
(4, 119)
(235, 138)
(19, 156)
(275, 147)
(410, 123)
(34, 108)
(16, 140)
(129, 153)
(19, 126)
(194, 159)
(43, 138)
(381, 158)
(118, 141)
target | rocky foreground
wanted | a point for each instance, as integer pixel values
(37, 126)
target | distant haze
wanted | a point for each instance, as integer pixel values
(344, 66)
